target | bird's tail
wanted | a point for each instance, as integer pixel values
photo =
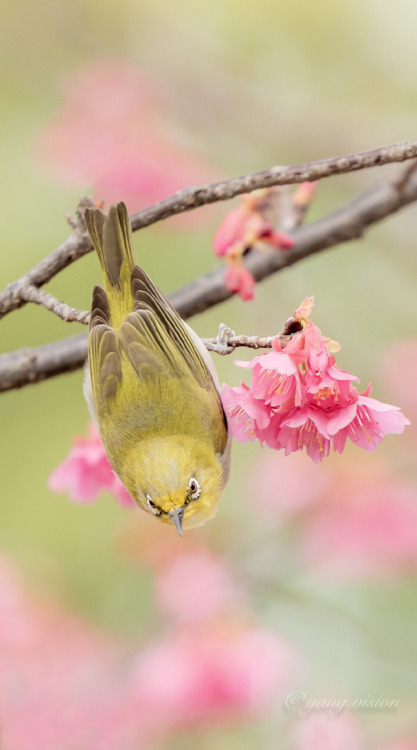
(111, 236)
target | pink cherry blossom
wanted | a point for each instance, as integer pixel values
(213, 673)
(111, 132)
(86, 472)
(231, 231)
(250, 225)
(248, 415)
(196, 586)
(299, 399)
(246, 226)
(301, 429)
(372, 420)
(276, 379)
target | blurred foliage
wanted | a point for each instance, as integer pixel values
(246, 86)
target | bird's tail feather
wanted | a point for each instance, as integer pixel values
(111, 237)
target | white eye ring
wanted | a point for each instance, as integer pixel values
(152, 507)
(194, 488)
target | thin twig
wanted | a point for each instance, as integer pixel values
(348, 223)
(78, 244)
(40, 297)
(249, 342)
(186, 200)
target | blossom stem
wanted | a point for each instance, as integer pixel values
(251, 342)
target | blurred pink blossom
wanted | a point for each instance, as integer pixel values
(398, 368)
(284, 488)
(152, 545)
(86, 472)
(365, 527)
(322, 731)
(298, 398)
(213, 673)
(304, 194)
(232, 230)
(111, 132)
(341, 731)
(16, 629)
(246, 226)
(64, 684)
(238, 279)
(196, 586)
(61, 681)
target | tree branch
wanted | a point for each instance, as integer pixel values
(347, 223)
(194, 197)
(31, 365)
(78, 244)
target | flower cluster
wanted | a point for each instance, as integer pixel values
(298, 398)
(250, 225)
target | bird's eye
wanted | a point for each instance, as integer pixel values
(152, 507)
(194, 489)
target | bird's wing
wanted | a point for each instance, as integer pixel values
(165, 367)
(148, 299)
(172, 368)
(104, 350)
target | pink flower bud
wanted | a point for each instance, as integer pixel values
(238, 279)
(304, 194)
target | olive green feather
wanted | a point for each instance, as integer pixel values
(144, 365)
(111, 239)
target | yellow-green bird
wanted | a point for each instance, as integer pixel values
(151, 387)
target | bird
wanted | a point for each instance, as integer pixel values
(151, 387)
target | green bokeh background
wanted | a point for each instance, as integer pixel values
(247, 86)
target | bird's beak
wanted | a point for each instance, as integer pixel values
(177, 515)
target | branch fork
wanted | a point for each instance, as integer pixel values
(28, 365)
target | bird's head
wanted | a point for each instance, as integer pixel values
(179, 480)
